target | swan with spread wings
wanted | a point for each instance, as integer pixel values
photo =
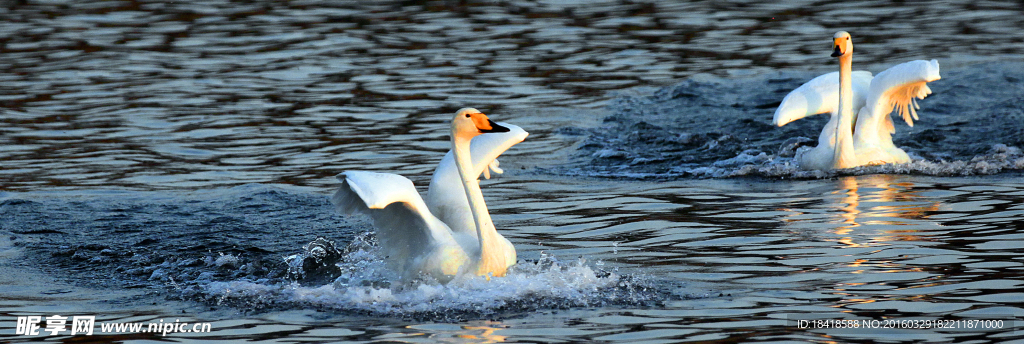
(863, 137)
(450, 233)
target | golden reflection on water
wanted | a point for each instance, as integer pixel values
(850, 211)
(486, 334)
(476, 333)
(878, 210)
(899, 206)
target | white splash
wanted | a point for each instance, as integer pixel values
(1000, 158)
(363, 287)
(226, 260)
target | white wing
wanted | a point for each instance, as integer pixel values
(446, 197)
(407, 231)
(820, 95)
(897, 87)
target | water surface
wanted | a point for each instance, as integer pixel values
(174, 161)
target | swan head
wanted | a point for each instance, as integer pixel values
(470, 122)
(841, 44)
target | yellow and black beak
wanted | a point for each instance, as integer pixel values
(494, 128)
(486, 125)
(840, 47)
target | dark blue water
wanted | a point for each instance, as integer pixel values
(262, 248)
(163, 161)
(616, 260)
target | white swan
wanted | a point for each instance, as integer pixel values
(452, 233)
(864, 137)
(445, 196)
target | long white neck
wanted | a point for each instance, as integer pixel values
(485, 230)
(843, 155)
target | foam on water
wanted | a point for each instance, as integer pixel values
(363, 285)
(973, 124)
(257, 248)
(999, 159)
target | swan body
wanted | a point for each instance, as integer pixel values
(450, 233)
(863, 137)
(821, 95)
(445, 196)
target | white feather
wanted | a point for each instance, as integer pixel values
(897, 88)
(409, 234)
(820, 95)
(445, 197)
(438, 237)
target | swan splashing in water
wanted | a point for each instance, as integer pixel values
(852, 139)
(451, 232)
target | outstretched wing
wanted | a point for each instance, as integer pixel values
(405, 228)
(820, 95)
(899, 88)
(446, 197)
(485, 149)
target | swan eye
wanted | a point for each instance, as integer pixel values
(467, 115)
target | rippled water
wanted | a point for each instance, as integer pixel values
(173, 160)
(725, 259)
